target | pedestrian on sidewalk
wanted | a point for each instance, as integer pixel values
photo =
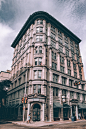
(29, 118)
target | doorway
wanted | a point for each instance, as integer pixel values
(36, 112)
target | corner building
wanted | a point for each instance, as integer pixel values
(47, 62)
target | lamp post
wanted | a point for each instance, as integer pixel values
(25, 95)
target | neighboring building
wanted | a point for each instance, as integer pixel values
(5, 75)
(47, 62)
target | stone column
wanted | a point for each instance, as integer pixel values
(72, 71)
(58, 62)
(50, 59)
(51, 104)
(44, 60)
(77, 111)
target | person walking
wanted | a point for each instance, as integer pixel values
(29, 117)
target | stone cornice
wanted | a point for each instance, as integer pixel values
(49, 19)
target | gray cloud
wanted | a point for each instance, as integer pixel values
(14, 13)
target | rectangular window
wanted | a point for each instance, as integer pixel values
(39, 38)
(66, 44)
(83, 86)
(62, 69)
(40, 49)
(53, 43)
(71, 95)
(78, 96)
(35, 74)
(69, 72)
(60, 48)
(80, 76)
(19, 81)
(77, 52)
(15, 83)
(72, 48)
(36, 60)
(39, 89)
(75, 74)
(66, 38)
(76, 45)
(39, 73)
(39, 22)
(39, 29)
(54, 65)
(64, 92)
(34, 89)
(74, 66)
(55, 91)
(70, 82)
(36, 49)
(71, 42)
(63, 81)
(53, 28)
(83, 97)
(72, 54)
(67, 52)
(59, 33)
(40, 61)
(55, 78)
(61, 59)
(53, 35)
(68, 63)
(60, 40)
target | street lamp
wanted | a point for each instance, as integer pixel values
(63, 99)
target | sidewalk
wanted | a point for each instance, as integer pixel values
(41, 123)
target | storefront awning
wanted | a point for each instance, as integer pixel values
(82, 106)
(65, 105)
(57, 105)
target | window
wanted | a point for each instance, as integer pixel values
(77, 52)
(24, 78)
(55, 77)
(80, 70)
(64, 92)
(39, 22)
(78, 96)
(63, 81)
(55, 91)
(76, 45)
(53, 43)
(15, 83)
(68, 63)
(83, 86)
(53, 55)
(72, 48)
(69, 72)
(62, 69)
(38, 61)
(71, 95)
(77, 58)
(61, 59)
(53, 28)
(75, 74)
(66, 44)
(39, 29)
(66, 52)
(60, 40)
(74, 66)
(37, 88)
(80, 77)
(60, 48)
(39, 73)
(72, 54)
(19, 81)
(39, 38)
(71, 42)
(66, 38)
(83, 97)
(35, 74)
(59, 33)
(70, 82)
(38, 49)
(34, 89)
(53, 35)
(54, 65)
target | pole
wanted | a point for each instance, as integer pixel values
(24, 98)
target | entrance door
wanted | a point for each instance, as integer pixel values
(36, 112)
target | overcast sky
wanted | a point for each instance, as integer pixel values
(14, 13)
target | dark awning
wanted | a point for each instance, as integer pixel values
(82, 106)
(57, 105)
(65, 105)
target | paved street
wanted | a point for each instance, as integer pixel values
(72, 125)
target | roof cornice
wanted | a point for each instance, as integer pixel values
(48, 18)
